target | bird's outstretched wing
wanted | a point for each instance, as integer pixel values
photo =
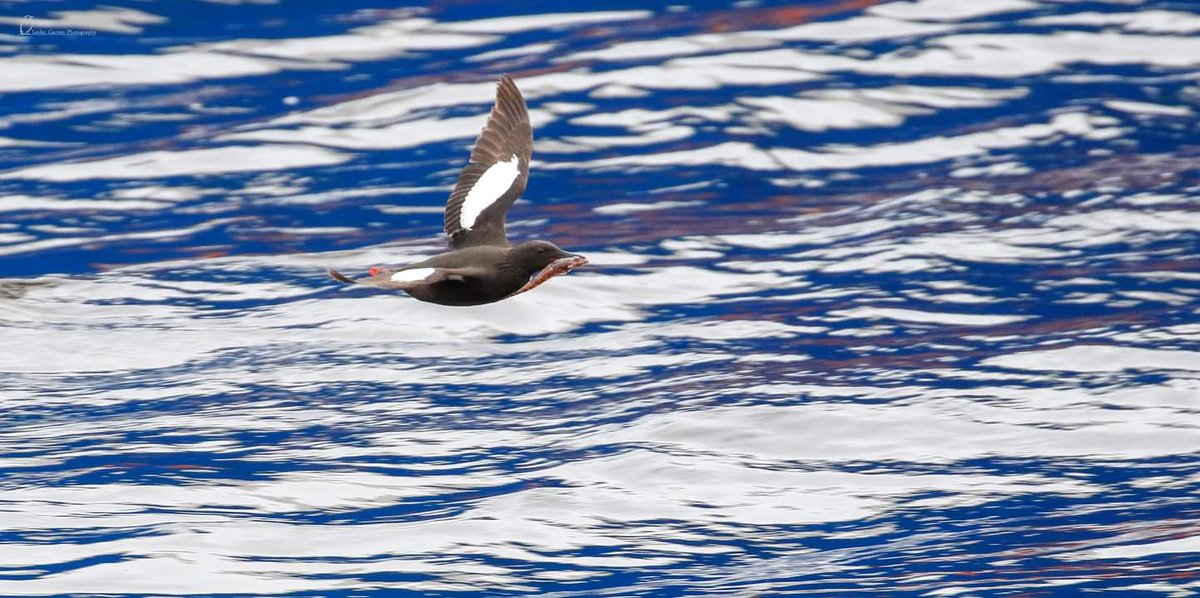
(496, 176)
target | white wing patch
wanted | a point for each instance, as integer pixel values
(412, 275)
(494, 182)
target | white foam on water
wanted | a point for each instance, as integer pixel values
(821, 115)
(949, 10)
(522, 23)
(371, 42)
(109, 19)
(923, 151)
(392, 136)
(1099, 358)
(1148, 108)
(1146, 21)
(919, 431)
(164, 163)
(15, 203)
(863, 28)
(1014, 55)
(647, 50)
(247, 57)
(75, 241)
(925, 317)
(631, 208)
(42, 72)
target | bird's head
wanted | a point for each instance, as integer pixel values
(535, 255)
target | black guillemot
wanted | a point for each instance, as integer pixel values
(481, 267)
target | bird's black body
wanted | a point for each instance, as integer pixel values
(481, 274)
(482, 267)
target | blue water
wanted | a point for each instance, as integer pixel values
(885, 299)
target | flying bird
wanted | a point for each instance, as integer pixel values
(481, 266)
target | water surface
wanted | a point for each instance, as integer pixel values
(886, 298)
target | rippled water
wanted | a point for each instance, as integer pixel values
(886, 299)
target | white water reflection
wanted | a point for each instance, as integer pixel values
(199, 162)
